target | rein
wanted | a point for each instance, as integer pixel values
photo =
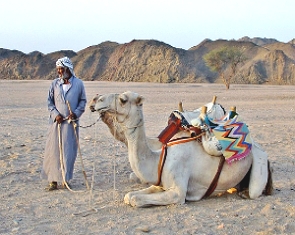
(91, 124)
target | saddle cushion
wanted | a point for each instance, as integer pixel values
(235, 140)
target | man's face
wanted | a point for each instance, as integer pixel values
(63, 72)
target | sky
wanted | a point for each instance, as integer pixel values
(49, 26)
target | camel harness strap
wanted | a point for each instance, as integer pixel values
(163, 156)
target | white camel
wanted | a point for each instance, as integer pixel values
(188, 171)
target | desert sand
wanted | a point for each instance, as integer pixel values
(26, 208)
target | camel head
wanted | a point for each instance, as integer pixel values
(98, 99)
(107, 117)
(116, 109)
(117, 105)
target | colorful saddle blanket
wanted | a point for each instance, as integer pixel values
(234, 138)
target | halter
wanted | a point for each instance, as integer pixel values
(126, 117)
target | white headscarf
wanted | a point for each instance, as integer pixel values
(65, 62)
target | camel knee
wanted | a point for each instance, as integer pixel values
(176, 197)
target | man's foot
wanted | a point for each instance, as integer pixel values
(52, 186)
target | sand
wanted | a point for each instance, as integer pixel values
(26, 208)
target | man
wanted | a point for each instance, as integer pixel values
(66, 103)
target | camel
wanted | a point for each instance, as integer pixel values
(188, 170)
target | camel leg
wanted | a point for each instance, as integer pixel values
(259, 172)
(269, 186)
(155, 196)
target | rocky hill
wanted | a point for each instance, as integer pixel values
(268, 61)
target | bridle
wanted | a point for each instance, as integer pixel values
(139, 124)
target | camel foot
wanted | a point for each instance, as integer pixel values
(127, 198)
(135, 200)
(139, 201)
(132, 200)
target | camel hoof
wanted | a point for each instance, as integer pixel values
(130, 199)
(127, 199)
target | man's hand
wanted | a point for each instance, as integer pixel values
(59, 119)
(72, 116)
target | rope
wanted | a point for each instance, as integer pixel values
(61, 158)
(77, 139)
(91, 188)
(82, 165)
(91, 209)
(91, 124)
(114, 162)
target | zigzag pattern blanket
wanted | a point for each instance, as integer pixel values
(234, 138)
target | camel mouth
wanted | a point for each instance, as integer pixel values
(102, 110)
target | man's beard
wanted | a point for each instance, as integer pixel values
(65, 75)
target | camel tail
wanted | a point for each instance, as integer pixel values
(269, 185)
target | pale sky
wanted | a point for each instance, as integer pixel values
(48, 26)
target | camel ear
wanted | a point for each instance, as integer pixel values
(95, 98)
(139, 100)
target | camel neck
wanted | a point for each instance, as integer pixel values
(143, 160)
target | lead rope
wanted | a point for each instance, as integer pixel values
(91, 209)
(61, 158)
(82, 165)
(114, 159)
(78, 143)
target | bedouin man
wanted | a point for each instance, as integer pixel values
(66, 90)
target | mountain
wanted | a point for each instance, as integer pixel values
(258, 41)
(268, 61)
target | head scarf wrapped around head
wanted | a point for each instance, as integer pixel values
(65, 62)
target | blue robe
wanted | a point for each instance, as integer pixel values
(57, 104)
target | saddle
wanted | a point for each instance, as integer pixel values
(226, 136)
(177, 122)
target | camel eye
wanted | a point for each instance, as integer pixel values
(123, 101)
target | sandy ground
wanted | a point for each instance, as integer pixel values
(26, 208)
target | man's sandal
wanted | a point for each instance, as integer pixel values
(52, 186)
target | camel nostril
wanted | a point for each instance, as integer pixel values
(91, 107)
